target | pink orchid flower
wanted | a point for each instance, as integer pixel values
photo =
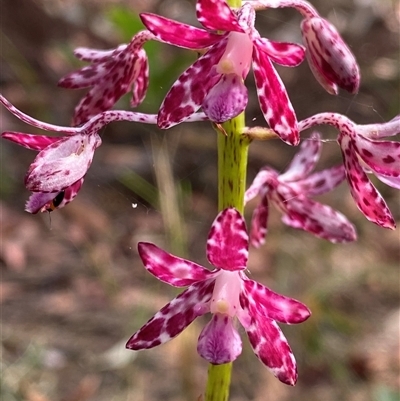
(227, 293)
(112, 73)
(57, 173)
(363, 153)
(290, 192)
(330, 59)
(42, 201)
(215, 81)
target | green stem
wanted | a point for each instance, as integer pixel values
(219, 379)
(232, 164)
(232, 168)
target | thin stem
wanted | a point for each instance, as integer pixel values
(232, 165)
(232, 168)
(219, 379)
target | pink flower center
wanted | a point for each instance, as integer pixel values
(237, 56)
(225, 299)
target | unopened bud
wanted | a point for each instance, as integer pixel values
(331, 61)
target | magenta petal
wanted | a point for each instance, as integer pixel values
(40, 200)
(274, 101)
(328, 85)
(171, 269)
(112, 74)
(382, 157)
(94, 55)
(178, 34)
(115, 82)
(216, 15)
(318, 219)
(271, 347)
(47, 202)
(228, 242)
(62, 163)
(304, 160)
(190, 89)
(227, 99)
(29, 141)
(368, 199)
(219, 342)
(393, 182)
(174, 317)
(283, 53)
(258, 184)
(329, 54)
(321, 182)
(259, 222)
(263, 301)
(140, 78)
(84, 77)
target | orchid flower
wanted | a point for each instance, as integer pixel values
(78, 148)
(57, 173)
(330, 59)
(215, 80)
(227, 293)
(290, 192)
(112, 73)
(363, 152)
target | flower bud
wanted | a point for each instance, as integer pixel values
(330, 59)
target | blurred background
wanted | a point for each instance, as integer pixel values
(73, 289)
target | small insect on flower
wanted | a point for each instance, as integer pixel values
(55, 203)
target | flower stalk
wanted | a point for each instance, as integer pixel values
(232, 168)
(232, 164)
(219, 379)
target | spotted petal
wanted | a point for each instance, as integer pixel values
(283, 53)
(29, 141)
(304, 160)
(178, 34)
(216, 15)
(42, 202)
(96, 56)
(382, 157)
(62, 163)
(321, 182)
(274, 101)
(329, 55)
(140, 78)
(171, 269)
(318, 219)
(271, 347)
(228, 242)
(368, 199)
(110, 77)
(263, 301)
(190, 89)
(174, 317)
(113, 85)
(259, 223)
(262, 177)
